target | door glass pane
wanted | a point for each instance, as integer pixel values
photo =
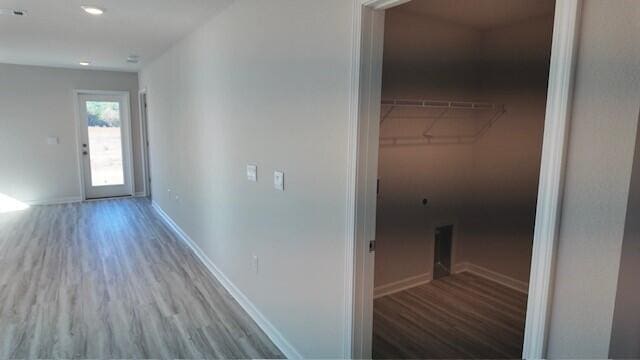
(105, 143)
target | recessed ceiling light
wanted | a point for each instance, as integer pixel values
(92, 10)
(85, 63)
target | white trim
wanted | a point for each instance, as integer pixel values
(79, 159)
(553, 163)
(143, 114)
(382, 4)
(55, 201)
(352, 155)
(557, 119)
(140, 194)
(363, 144)
(515, 284)
(127, 135)
(271, 331)
(401, 285)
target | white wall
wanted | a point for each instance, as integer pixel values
(264, 82)
(37, 102)
(267, 82)
(601, 148)
(498, 229)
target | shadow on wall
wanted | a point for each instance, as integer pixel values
(9, 204)
(486, 188)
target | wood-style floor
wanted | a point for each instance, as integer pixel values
(107, 279)
(456, 317)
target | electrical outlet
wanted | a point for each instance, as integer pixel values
(53, 140)
(255, 263)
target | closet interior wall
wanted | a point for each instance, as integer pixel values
(487, 189)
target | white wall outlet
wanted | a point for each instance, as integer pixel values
(278, 180)
(254, 263)
(252, 172)
(53, 140)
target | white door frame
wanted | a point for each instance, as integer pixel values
(126, 136)
(143, 98)
(363, 168)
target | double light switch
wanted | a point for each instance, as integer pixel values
(278, 177)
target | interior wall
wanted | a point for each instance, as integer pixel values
(625, 331)
(487, 190)
(498, 226)
(599, 162)
(37, 102)
(266, 83)
(440, 64)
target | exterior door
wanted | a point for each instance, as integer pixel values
(105, 145)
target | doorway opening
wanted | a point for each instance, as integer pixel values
(104, 127)
(365, 152)
(458, 108)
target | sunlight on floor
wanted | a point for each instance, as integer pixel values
(9, 204)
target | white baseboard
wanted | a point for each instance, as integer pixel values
(401, 285)
(502, 279)
(55, 201)
(276, 337)
(140, 194)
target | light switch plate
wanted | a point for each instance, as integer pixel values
(278, 180)
(252, 172)
(53, 140)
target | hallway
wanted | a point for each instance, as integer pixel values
(107, 279)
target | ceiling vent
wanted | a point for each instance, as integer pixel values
(133, 59)
(14, 12)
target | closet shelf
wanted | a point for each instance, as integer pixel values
(474, 117)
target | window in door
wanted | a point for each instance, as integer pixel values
(105, 143)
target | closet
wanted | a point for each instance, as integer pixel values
(461, 126)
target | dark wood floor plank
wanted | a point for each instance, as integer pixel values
(456, 338)
(473, 279)
(438, 343)
(477, 335)
(460, 316)
(481, 288)
(498, 311)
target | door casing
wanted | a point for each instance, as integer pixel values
(143, 101)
